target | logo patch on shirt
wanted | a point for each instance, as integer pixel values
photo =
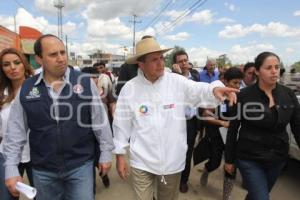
(78, 89)
(144, 109)
(169, 106)
(34, 93)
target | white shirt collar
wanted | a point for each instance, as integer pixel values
(66, 77)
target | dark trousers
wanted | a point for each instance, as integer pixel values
(217, 148)
(259, 178)
(191, 136)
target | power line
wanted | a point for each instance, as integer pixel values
(20, 5)
(185, 12)
(188, 11)
(183, 3)
(158, 15)
(179, 18)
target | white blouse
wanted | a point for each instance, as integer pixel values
(4, 114)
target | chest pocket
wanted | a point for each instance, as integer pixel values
(172, 112)
(145, 115)
(37, 107)
(284, 113)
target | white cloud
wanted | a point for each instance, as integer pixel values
(104, 23)
(230, 6)
(110, 28)
(202, 17)
(149, 31)
(234, 31)
(7, 22)
(225, 20)
(95, 9)
(81, 25)
(163, 26)
(24, 18)
(107, 9)
(48, 5)
(69, 27)
(297, 13)
(178, 37)
(273, 29)
(173, 14)
(241, 54)
(92, 45)
(289, 50)
(237, 54)
(200, 54)
(102, 31)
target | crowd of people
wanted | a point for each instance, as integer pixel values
(62, 126)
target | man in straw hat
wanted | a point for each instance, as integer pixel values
(150, 118)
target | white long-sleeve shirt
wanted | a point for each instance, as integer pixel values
(4, 114)
(151, 117)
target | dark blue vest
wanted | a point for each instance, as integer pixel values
(61, 144)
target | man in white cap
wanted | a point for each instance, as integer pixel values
(150, 118)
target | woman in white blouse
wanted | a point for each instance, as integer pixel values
(14, 69)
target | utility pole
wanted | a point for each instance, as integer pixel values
(15, 23)
(125, 50)
(67, 47)
(134, 22)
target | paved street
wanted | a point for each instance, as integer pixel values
(287, 188)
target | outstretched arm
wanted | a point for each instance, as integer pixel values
(223, 93)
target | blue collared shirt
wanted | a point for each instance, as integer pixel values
(204, 76)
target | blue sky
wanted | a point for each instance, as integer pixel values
(239, 28)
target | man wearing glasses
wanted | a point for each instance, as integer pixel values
(181, 65)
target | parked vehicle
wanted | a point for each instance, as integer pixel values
(294, 151)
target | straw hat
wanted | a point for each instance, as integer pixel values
(145, 46)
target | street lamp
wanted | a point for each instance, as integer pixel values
(59, 4)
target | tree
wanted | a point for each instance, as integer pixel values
(296, 66)
(169, 57)
(223, 61)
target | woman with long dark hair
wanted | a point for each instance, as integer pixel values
(14, 69)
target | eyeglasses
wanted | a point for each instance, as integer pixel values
(183, 61)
